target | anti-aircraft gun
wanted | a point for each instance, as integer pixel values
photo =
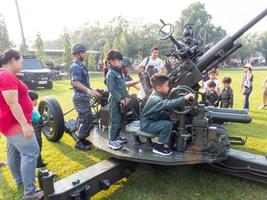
(198, 134)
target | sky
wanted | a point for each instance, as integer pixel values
(49, 17)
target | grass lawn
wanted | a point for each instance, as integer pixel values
(150, 182)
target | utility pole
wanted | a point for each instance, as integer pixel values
(21, 27)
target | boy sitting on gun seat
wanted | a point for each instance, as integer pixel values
(152, 118)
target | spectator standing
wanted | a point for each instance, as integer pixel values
(247, 84)
(264, 96)
(15, 124)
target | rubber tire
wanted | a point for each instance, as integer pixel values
(49, 85)
(56, 111)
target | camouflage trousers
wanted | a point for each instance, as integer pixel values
(82, 105)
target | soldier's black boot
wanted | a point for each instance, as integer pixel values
(81, 144)
(87, 142)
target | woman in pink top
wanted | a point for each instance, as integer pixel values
(15, 124)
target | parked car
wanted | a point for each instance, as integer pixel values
(34, 74)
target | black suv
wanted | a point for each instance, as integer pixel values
(34, 75)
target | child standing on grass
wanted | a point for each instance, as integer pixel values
(37, 125)
(264, 94)
(212, 95)
(227, 95)
(117, 97)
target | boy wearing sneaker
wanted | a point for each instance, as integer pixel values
(153, 120)
(117, 97)
(37, 124)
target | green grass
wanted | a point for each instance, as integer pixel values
(150, 182)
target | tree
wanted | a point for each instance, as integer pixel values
(39, 45)
(248, 48)
(203, 28)
(91, 62)
(4, 39)
(23, 49)
(105, 50)
(67, 48)
(120, 43)
(262, 45)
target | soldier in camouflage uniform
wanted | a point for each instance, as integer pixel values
(79, 78)
(227, 95)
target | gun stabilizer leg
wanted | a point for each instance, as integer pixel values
(85, 183)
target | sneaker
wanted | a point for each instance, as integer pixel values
(261, 107)
(121, 140)
(161, 150)
(2, 164)
(114, 145)
(81, 145)
(38, 194)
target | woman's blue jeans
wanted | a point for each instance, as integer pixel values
(22, 155)
(246, 98)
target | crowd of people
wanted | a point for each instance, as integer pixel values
(21, 124)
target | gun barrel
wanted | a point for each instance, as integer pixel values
(226, 110)
(229, 117)
(236, 35)
(219, 52)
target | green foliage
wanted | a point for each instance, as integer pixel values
(203, 28)
(67, 49)
(4, 39)
(91, 62)
(23, 49)
(135, 39)
(39, 45)
(120, 43)
(105, 50)
(248, 48)
(262, 45)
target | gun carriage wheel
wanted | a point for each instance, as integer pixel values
(53, 117)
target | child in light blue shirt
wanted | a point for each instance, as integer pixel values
(37, 125)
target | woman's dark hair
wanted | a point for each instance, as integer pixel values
(158, 79)
(114, 54)
(8, 55)
(33, 95)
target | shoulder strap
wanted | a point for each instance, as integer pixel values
(147, 60)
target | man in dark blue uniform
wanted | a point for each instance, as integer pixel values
(79, 78)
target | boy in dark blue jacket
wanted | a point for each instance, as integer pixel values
(117, 97)
(153, 120)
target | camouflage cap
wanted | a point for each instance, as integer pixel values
(78, 47)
